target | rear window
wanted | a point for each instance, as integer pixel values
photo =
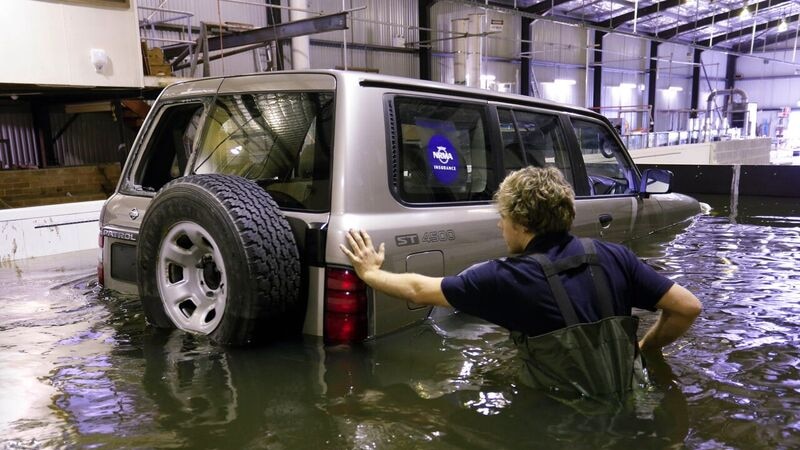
(443, 153)
(281, 140)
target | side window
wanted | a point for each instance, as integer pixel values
(170, 145)
(607, 167)
(281, 140)
(533, 139)
(444, 153)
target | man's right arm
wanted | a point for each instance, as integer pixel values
(679, 308)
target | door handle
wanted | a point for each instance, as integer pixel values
(605, 220)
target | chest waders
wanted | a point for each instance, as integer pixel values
(596, 360)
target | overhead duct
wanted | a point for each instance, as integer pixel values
(474, 50)
(735, 107)
(301, 45)
(459, 29)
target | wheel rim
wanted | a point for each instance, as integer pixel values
(191, 278)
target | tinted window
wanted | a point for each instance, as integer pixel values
(444, 153)
(280, 140)
(607, 167)
(533, 139)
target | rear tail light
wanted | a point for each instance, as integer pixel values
(101, 280)
(345, 307)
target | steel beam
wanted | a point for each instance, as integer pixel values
(277, 32)
(746, 30)
(706, 21)
(655, 8)
(777, 38)
(543, 7)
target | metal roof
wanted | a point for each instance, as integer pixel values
(716, 24)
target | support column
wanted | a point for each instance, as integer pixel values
(301, 45)
(651, 83)
(696, 84)
(598, 68)
(730, 78)
(274, 18)
(525, 60)
(424, 20)
(43, 130)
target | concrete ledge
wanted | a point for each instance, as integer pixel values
(741, 151)
(48, 230)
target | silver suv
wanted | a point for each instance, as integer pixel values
(238, 191)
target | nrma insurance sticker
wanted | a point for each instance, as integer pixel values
(443, 159)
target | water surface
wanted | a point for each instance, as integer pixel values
(80, 369)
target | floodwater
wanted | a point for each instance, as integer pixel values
(79, 368)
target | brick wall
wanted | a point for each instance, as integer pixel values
(20, 188)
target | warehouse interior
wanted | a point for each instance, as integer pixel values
(666, 73)
(705, 93)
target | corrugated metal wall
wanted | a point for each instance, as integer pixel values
(90, 139)
(382, 24)
(377, 27)
(17, 139)
(499, 50)
(378, 24)
(559, 52)
(674, 86)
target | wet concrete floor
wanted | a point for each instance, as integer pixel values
(80, 369)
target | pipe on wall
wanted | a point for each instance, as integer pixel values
(301, 45)
(459, 28)
(474, 50)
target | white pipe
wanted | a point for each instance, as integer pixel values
(301, 45)
(459, 27)
(474, 50)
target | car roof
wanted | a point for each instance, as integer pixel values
(368, 79)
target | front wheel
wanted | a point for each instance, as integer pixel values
(216, 257)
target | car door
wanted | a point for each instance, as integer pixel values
(606, 192)
(537, 138)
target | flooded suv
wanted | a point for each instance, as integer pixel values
(238, 191)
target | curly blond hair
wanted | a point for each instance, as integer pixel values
(540, 199)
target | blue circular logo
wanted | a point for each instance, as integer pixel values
(443, 159)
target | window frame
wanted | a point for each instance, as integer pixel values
(207, 123)
(579, 167)
(565, 128)
(394, 147)
(141, 148)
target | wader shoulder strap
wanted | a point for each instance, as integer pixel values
(552, 269)
(599, 278)
(557, 287)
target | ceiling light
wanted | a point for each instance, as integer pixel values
(628, 85)
(564, 81)
(745, 14)
(782, 26)
(675, 88)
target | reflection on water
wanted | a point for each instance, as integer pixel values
(79, 368)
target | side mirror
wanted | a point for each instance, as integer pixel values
(655, 181)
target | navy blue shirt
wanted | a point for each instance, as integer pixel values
(513, 292)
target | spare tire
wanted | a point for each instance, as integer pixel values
(217, 257)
